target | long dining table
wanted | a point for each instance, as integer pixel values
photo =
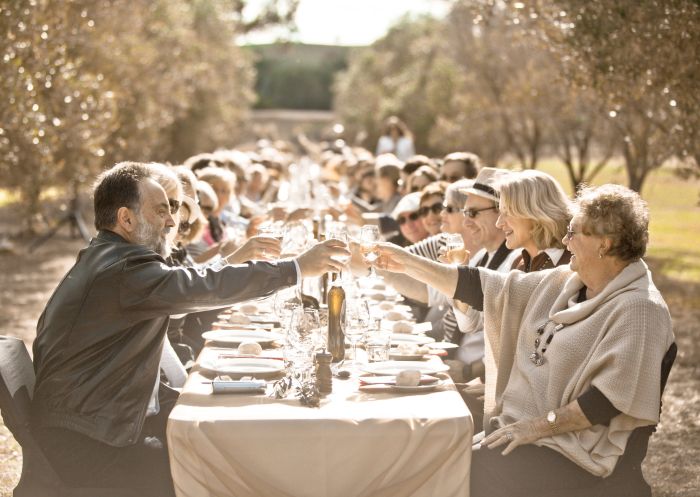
(356, 443)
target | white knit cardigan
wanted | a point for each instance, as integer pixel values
(614, 341)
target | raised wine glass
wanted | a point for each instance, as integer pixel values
(369, 237)
(454, 248)
(338, 231)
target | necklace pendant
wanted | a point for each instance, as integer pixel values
(537, 358)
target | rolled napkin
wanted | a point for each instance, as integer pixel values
(238, 386)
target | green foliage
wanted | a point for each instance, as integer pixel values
(407, 73)
(86, 84)
(295, 76)
(514, 81)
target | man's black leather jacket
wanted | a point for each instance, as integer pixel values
(99, 339)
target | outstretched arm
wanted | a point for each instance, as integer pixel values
(397, 260)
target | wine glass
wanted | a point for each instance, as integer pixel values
(338, 231)
(454, 248)
(301, 340)
(369, 237)
(285, 302)
(356, 325)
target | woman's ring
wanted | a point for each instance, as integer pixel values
(509, 436)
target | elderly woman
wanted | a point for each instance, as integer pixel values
(578, 351)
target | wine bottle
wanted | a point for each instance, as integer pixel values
(336, 309)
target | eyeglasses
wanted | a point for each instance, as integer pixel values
(472, 213)
(174, 206)
(452, 210)
(451, 179)
(435, 209)
(410, 217)
(570, 233)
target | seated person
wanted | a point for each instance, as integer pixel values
(578, 351)
(99, 339)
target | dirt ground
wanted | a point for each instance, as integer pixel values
(672, 465)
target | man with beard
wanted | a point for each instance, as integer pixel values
(99, 338)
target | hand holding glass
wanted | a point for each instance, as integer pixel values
(369, 237)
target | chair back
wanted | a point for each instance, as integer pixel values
(16, 387)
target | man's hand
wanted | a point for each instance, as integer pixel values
(392, 258)
(256, 248)
(357, 263)
(318, 259)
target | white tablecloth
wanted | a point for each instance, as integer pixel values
(355, 444)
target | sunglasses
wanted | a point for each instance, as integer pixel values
(452, 179)
(174, 206)
(472, 213)
(411, 217)
(435, 209)
(452, 210)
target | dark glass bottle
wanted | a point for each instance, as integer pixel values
(336, 311)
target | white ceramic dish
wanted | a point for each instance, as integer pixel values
(238, 366)
(238, 336)
(395, 367)
(417, 388)
(397, 338)
(443, 345)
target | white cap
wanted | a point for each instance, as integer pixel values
(486, 184)
(408, 203)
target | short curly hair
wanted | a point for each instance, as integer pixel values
(617, 213)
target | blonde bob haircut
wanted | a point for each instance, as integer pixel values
(537, 196)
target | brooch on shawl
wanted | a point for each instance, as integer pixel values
(537, 357)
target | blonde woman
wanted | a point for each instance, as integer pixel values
(534, 212)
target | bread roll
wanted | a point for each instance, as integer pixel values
(249, 348)
(249, 309)
(402, 327)
(239, 319)
(408, 378)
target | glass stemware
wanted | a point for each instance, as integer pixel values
(356, 324)
(285, 302)
(301, 340)
(454, 248)
(338, 231)
(369, 237)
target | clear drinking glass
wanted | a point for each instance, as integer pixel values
(301, 340)
(369, 237)
(338, 231)
(285, 302)
(356, 325)
(454, 248)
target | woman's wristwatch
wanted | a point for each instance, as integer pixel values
(552, 421)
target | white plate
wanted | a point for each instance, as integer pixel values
(417, 388)
(406, 357)
(238, 366)
(238, 336)
(395, 367)
(408, 338)
(443, 345)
